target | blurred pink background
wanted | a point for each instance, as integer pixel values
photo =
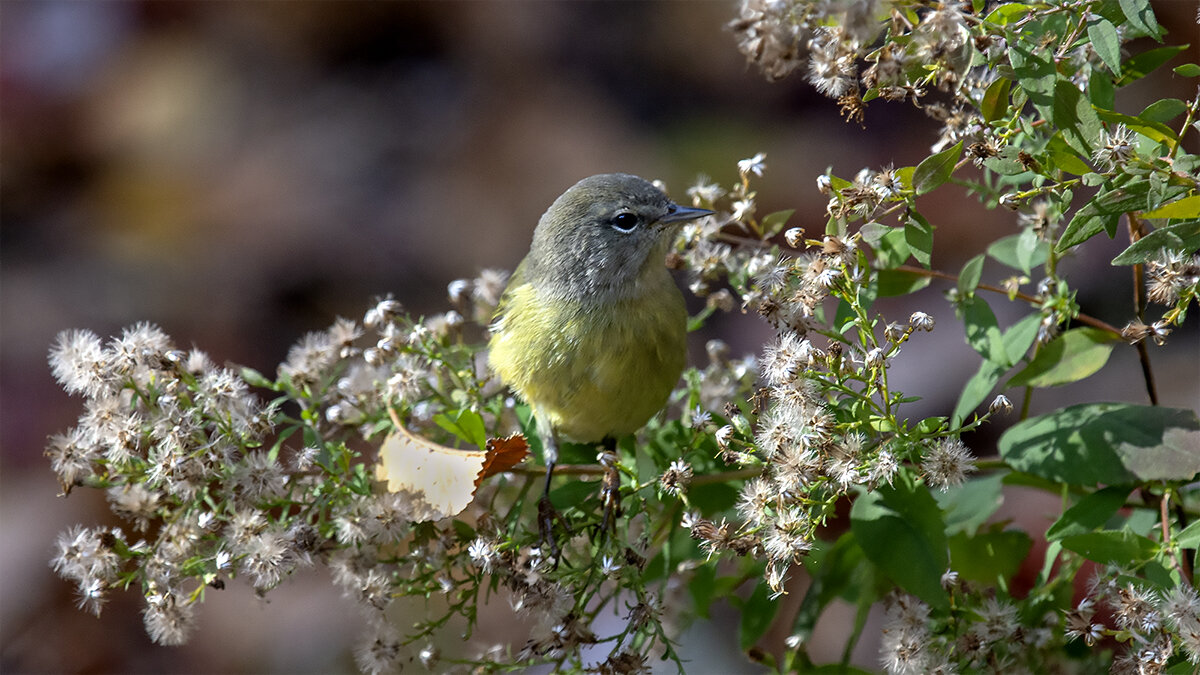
(243, 173)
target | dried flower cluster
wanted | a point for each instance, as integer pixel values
(796, 429)
(219, 486)
(750, 472)
(998, 79)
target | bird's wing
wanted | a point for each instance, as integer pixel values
(515, 281)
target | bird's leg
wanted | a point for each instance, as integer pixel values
(610, 490)
(546, 513)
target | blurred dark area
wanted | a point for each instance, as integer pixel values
(242, 173)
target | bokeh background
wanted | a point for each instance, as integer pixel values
(241, 173)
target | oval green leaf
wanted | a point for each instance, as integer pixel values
(936, 169)
(1076, 354)
(1112, 547)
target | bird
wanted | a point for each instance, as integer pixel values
(591, 330)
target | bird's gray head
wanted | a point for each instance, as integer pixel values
(602, 235)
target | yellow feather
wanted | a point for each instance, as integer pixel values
(591, 369)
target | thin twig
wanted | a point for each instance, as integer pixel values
(1163, 501)
(1085, 319)
(1139, 307)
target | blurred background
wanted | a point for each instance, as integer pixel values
(240, 174)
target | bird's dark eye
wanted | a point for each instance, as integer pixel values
(624, 222)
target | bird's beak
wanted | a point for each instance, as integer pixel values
(679, 214)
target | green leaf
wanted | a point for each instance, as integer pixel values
(773, 223)
(1053, 447)
(713, 498)
(1051, 555)
(703, 588)
(982, 330)
(1007, 163)
(900, 529)
(1142, 521)
(989, 557)
(758, 612)
(1074, 116)
(1101, 91)
(899, 282)
(834, 572)
(463, 530)
(1143, 64)
(1089, 513)
(1112, 547)
(968, 506)
(1189, 537)
(995, 99)
(1163, 110)
(1188, 207)
(1031, 250)
(1076, 354)
(1141, 17)
(968, 278)
(936, 169)
(1019, 98)
(1159, 443)
(1065, 158)
(873, 232)
(1020, 336)
(1035, 71)
(1184, 667)
(529, 429)
(1103, 212)
(256, 379)
(1110, 443)
(1178, 237)
(1106, 43)
(918, 234)
(1022, 251)
(929, 425)
(1153, 573)
(1155, 131)
(977, 389)
(467, 425)
(892, 250)
(1109, 9)
(574, 493)
(1187, 70)
(1008, 13)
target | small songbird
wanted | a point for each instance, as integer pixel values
(591, 331)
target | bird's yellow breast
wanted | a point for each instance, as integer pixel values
(592, 370)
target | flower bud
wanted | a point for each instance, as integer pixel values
(1000, 404)
(921, 321)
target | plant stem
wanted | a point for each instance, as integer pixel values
(1139, 308)
(1081, 318)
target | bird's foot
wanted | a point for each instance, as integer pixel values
(547, 517)
(610, 497)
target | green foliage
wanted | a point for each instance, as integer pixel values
(1109, 443)
(1072, 356)
(803, 458)
(899, 527)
